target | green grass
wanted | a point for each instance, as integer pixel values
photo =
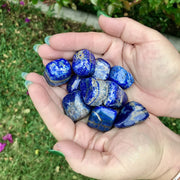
(27, 158)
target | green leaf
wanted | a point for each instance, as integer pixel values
(94, 2)
(73, 6)
(34, 1)
(110, 9)
(66, 2)
(174, 1)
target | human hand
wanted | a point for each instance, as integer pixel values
(147, 150)
(150, 57)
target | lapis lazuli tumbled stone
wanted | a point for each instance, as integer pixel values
(73, 83)
(131, 114)
(57, 72)
(121, 76)
(102, 69)
(74, 106)
(93, 91)
(116, 97)
(102, 118)
(83, 63)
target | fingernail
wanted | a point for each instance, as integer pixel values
(46, 39)
(56, 152)
(99, 12)
(27, 83)
(36, 47)
(23, 75)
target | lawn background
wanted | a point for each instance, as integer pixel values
(28, 158)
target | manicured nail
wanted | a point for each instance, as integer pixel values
(46, 39)
(23, 75)
(99, 12)
(27, 83)
(36, 47)
(56, 152)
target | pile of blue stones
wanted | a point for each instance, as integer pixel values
(95, 89)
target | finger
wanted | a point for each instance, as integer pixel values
(89, 162)
(98, 43)
(128, 30)
(50, 112)
(46, 52)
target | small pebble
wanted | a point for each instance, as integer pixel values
(102, 118)
(102, 69)
(131, 114)
(74, 106)
(121, 76)
(116, 97)
(83, 63)
(57, 72)
(93, 91)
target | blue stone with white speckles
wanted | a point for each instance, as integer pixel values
(93, 91)
(116, 97)
(102, 118)
(57, 72)
(83, 63)
(121, 76)
(73, 83)
(102, 69)
(131, 114)
(74, 106)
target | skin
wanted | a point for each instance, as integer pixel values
(148, 150)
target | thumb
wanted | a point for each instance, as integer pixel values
(129, 30)
(89, 162)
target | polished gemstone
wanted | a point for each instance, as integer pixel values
(93, 91)
(57, 72)
(73, 83)
(102, 69)
(121, 76)
(102, 118)
(131, 114)
(116, 97)
(74, 106)
(83, 63)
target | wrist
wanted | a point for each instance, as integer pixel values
(169, 166)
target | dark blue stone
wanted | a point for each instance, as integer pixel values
(102, 118)
(122, 77)
(132, 113)
(57, 72)
(74, 106)
(93, 91)
(73, 83)
(83, 63)
(102, 69)
(116, 97)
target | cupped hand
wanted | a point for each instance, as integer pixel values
(149, 56)
(138, 152)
